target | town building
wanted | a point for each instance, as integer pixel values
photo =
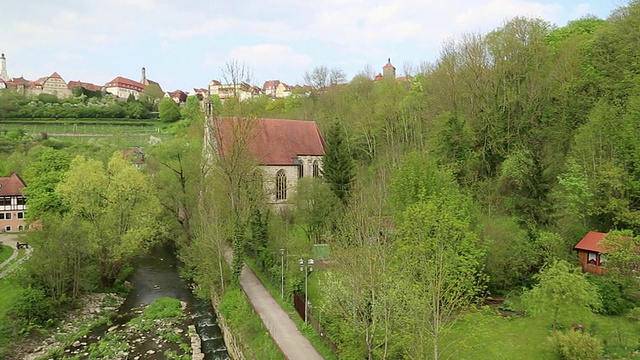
(53, 85)
(13, 205)
(178, 96)
(389, 72)
(243, 91)
(122, 87)
(276, 89)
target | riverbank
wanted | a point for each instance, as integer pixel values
(93, 309)
(160, 330)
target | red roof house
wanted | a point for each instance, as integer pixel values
(591, 255)
(122, 87)
(13, 204)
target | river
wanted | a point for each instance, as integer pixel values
(156, 275)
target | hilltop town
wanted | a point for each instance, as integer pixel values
(123, 88)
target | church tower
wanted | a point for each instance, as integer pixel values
(388, 71)
(144, 77)
(3, 69)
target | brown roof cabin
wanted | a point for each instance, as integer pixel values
(591, 256)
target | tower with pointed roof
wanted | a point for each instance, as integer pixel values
(388, 71)
(3, 69)
(144, 80)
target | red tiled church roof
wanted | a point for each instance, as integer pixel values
(590, 242)
(271, 141)
(11, 185)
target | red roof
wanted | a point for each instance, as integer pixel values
(388, 64)
(271, 141)
(590, 242)
(270, 84)
(12, 185)
(120, 81)
(74, 84)
(55, 75)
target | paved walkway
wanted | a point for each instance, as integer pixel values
(283, 331)
(11, 240)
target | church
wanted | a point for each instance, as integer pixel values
(284, 150)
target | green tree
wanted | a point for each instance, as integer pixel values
(356, 296)
(315, 204)
(119, 206)
(64, 263)
(192, 110)
(42, 176)
(337, 165)
(437, 269)
(151, 95)
(562, 293)
(169, 111)
(418, 178)
(623, 258)
(175, 165)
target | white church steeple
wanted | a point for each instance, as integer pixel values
(3, 68)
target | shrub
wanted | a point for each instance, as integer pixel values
(34, 307)
(614, 302)
(574, 345)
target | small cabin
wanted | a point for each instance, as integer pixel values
(591, 256)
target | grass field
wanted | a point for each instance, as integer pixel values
(5, 252)
(485, 334)
(118, 134)
(84, 129)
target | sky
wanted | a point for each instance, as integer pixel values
(185, 44)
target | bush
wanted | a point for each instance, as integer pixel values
(614, 302)
(34, 308)
(574, 345)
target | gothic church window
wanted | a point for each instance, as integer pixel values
(316, 169)
(281, 185)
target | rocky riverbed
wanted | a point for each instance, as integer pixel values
(160, 330)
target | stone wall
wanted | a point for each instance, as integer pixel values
(234, 350)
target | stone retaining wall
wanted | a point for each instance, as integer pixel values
(234, 350)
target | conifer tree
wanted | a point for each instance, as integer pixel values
(338, 168)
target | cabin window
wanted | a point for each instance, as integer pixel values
(603, 259)
(281, 185)
(316, 168)
(593, 258)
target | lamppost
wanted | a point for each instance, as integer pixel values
(307, 267)
(282, 273)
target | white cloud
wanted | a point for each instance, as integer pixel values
(487, 15)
